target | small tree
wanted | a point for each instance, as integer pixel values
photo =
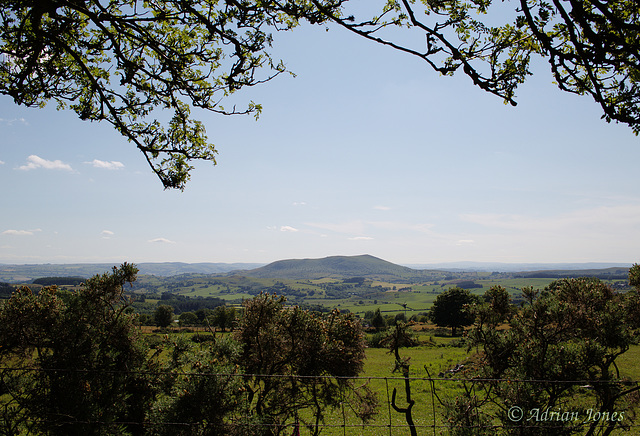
(163, 316)
(278, 341)
(634, 276)
(573, 330)
(377, 321)
(223, 317)
(188, 319)
(451, 309)
(499, 302)
(401, 336)
(202, 391)
(82, 365)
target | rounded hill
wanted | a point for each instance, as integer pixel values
(365, 265)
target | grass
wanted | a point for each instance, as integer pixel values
(379, 376)
(388, 295)
(427, 412)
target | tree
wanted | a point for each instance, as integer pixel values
(451, 309)
(188, 319)
(634, 276)
(499, 302)
(163, 316)
(377, 321)
(73, 363)
(592, 46)
(223, 317)
(122, 61)
(401, 336)
(565, 337)
(203, 393)
(279, 341)
(247, 383)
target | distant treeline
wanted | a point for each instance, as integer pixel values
(60, 281)
(602, 275)
(468, 284)
(5, 290)
(181, 303)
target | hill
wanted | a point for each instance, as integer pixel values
(518, 267)
(619, 273)
(365, 265)
(27, 273)
(339, 267)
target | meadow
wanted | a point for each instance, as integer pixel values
(432, 381)
(410, 298)
(427, 412)
(430, 363)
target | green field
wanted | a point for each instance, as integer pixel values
(427, 412)
(390, 297)
(438, 354)
(433, 359)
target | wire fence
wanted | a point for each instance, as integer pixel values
(404, 406)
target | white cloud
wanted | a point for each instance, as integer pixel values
(35, 162)
(288, 229)
(363, 227)
(21, 232)
(13, 121)
(113, 165)
(465, 242)
(361, 238)
(161, 241)
(107, 234)
(349, 227)
(299, 203)
(382, 208)
(1, 162)
(579, 221)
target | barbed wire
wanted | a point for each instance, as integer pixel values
(319, 376)
(431, 422)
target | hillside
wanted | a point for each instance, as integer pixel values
(366, 266)
(338, 267)
(26, 273)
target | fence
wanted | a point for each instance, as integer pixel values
(405, 406)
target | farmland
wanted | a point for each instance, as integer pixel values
(435, 365)
(410, 298)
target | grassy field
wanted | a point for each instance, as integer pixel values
(391, 298)
(427, 412)
(437, 355)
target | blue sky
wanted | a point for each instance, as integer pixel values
(365, 151)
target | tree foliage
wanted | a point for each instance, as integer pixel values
(70, 360)
(324, 350)
(377, 321)
(143, 65)
(562, 345)
(163, 315)
(202, 392)
(72, 363)
(126, 61)
(224, 317)
(451, 309)
(592, 46)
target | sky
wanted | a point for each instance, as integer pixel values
(365, 151)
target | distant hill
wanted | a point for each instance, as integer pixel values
(374, 268)
(303, 269)
(615, 273)
(517, 267)
(337, 267)
(27, 273)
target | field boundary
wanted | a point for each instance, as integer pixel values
(390, 418)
